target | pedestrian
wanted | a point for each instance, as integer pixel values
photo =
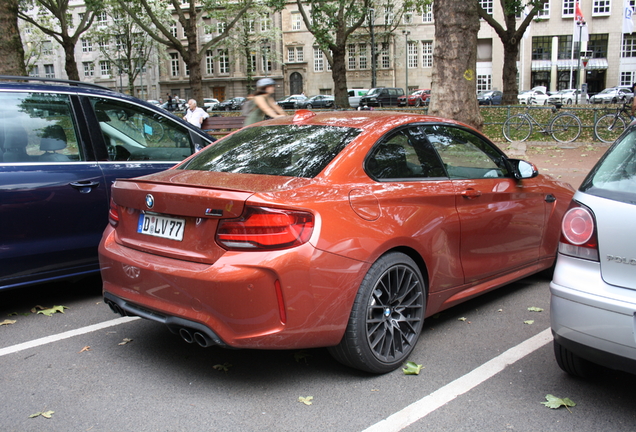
(169, 102)
(262, 104)
(633, 100)
(195, 115)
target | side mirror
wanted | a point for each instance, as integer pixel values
(523, 169)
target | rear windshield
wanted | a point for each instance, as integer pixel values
(286, 150)
(614, 177)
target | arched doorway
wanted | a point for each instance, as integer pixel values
(295, 83)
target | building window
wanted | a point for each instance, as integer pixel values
(266, 23)
(412, 55)
(601, 7)
(352, 56)
(545, 12)
(251, 26)
(266, 63)
(484, 82)
(173, 29)
(427, 54)
(104, 67)
(101, 19)
(486, 5)
(629, 46)
(291, 55)
(89, 69)
(87, 45)
(319, 61)
(252, 62)
(209, 62)
(408, 16)
(427, 14)
(598, 45)
(300, 54)
(296, 21)
(47, 48)
(385, 59)
(220, 27)
(388, 16)
(103, 44)
(362, 56)
(35, 71)
(224, 61)
(541, 47)
(568, 8)
(49, 71)
(186, 69)
(565, 47)
(627, 78)
(174, 64)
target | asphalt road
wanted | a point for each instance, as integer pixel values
(484, 369)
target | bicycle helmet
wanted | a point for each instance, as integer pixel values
(264, 82)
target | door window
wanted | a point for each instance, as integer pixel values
(37, 128)
(135, 133)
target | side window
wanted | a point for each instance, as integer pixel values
(135, 133)
(37, 128)
(465, 155)
(402, 155)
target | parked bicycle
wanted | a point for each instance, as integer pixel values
(610, 126)
(564, 127)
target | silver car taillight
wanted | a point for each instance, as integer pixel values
(578, 233)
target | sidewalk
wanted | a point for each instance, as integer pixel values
(567, 162)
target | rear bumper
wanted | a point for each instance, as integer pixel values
(296, 298)
(594, 320)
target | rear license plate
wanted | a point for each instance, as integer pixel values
(161, 226)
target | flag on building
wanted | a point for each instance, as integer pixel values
(580, 27)
(628, 11)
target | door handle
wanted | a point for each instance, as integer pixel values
(84, 186)
(471, 193)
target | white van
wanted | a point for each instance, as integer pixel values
(355, 95)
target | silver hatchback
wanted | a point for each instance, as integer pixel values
(593, 291)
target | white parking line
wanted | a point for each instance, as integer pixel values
(54, 338)
(450, 391)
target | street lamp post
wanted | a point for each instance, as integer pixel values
(580, 25)
(406, 34)
(265, 64)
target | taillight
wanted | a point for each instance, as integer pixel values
(261, 228)
(113, 214)
(578, 233)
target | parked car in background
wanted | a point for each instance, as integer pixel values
(209, 103)
(336, 229)
(355, 95)
(318, 101)
(382, 96)
(593, 292)
(230, 104)
(535, 96)
(492, 97)
(416, 98)
(62, 145)
(613, 95)
(290, 101)
(153, 102)
(568, 97)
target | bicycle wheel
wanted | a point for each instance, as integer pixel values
(565, 127)
(609, 127)
(517, 128)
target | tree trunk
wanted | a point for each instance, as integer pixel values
(11, 50)
(454, 80)
(339, 75)
(70, 65)
(510, 89)
(196, 79)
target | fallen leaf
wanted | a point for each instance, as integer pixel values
(555, 402)
(529, 322)
(412, 368)
(125, 341)
(7, 322)
(306, 400)
(535, 309)
(461, 319)
(500, 310)
(51, 311)
(12, 314)
(35, 308)
(225, 367)
(301, 355)
(45, 414)
(86, 348)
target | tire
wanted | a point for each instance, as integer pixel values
(309, 106)
(614, 100)
(569, 102)
(227, 108)
(572, 363)
(565, 127)
(517, 128)
(609, 127)
(418, 102)
(386, 318)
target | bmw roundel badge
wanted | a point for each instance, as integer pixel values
(150, 201)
